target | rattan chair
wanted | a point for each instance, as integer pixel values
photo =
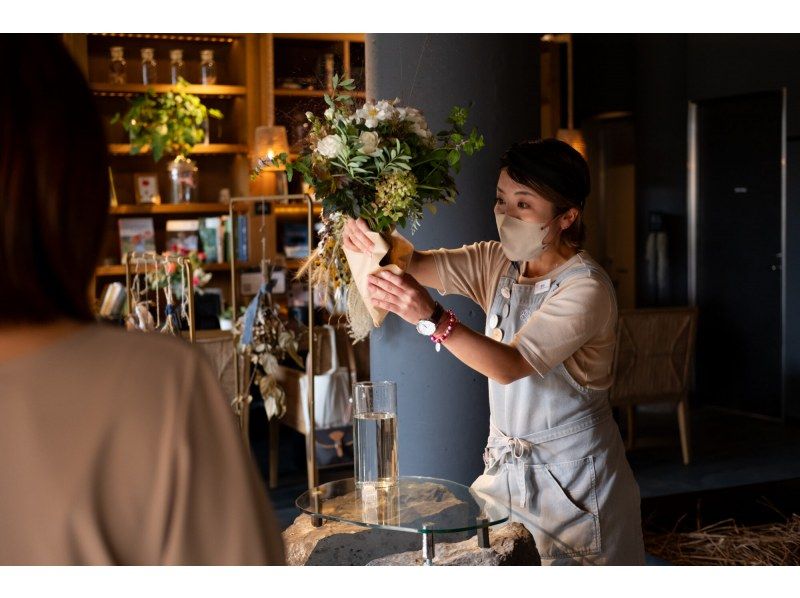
(652, 364)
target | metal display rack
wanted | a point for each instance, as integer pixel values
(241, 404)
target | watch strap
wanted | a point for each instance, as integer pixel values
(438, 312)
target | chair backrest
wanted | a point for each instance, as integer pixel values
(653, 356)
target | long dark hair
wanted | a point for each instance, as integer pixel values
(558, 173)
(54, 186)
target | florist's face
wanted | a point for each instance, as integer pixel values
(519, 201)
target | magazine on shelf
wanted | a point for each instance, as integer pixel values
(182, 235)
(136, 234)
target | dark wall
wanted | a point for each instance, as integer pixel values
(603, 73)
(646, 75)
(723, 65)
(792, 265)
(668, 71)
(660, 116)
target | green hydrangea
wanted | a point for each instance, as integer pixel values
(395, 193)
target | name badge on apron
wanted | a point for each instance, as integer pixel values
(541, 287)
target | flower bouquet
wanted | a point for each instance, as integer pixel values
(380, 162)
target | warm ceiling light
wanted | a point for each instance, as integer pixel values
(573, 137)
(570, 135)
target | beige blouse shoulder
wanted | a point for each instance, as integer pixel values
(576, 326)
(121, 448)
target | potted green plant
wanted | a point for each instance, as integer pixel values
(170, 123)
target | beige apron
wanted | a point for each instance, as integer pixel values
(555, 450)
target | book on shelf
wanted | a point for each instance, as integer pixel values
(114, 300)
(211, 239)
(295, 239)
(182, 235)
(136, 234)
(240, 240)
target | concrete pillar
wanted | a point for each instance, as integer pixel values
(442, 404)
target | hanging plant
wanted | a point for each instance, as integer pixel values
(169, 123)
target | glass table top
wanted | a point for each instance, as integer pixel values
(415, 504)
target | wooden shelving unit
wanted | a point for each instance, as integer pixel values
(222, 163)
(119, 269)
(309, 93)
(124, 149)
(251, 70)
(131, 89)
(170, 209)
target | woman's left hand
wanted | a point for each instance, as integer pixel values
(402, 295)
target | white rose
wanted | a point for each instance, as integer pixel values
(412, 114)
(385, 110)
(329, 114)
(420, 130)
(330, 146)
(372, 114)
(369, 143)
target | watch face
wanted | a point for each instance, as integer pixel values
(426, 327)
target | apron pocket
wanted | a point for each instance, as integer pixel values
(566, 500)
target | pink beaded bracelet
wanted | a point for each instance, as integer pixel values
(452, 321)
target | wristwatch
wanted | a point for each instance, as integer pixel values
(428, 325)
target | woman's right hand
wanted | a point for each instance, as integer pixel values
(354, 235)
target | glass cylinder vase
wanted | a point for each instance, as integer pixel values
(183, 180)
(375, 434)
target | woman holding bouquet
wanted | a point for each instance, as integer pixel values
(547, 350)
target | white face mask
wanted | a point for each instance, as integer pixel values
(521, 241)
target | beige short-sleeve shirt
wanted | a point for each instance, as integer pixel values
(576, 326)
(120, 448)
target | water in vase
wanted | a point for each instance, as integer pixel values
(375, 444)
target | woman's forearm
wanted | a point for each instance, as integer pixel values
(423, 269)
(497, 361)
(405, 296)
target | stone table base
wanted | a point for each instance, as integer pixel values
(336, 543)
(511, 544)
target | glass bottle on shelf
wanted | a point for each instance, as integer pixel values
(117, 68)
(183, 179)
(176, 65)
(148, 66)
(208, 68)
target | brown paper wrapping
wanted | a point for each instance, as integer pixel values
(397, 250)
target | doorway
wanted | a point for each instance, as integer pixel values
(610, 212)
(736, 194)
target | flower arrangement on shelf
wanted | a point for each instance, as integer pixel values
(169, 123)
(172, 277)
(380, 162)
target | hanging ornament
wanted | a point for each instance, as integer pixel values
(172, 323)
(139, 317)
